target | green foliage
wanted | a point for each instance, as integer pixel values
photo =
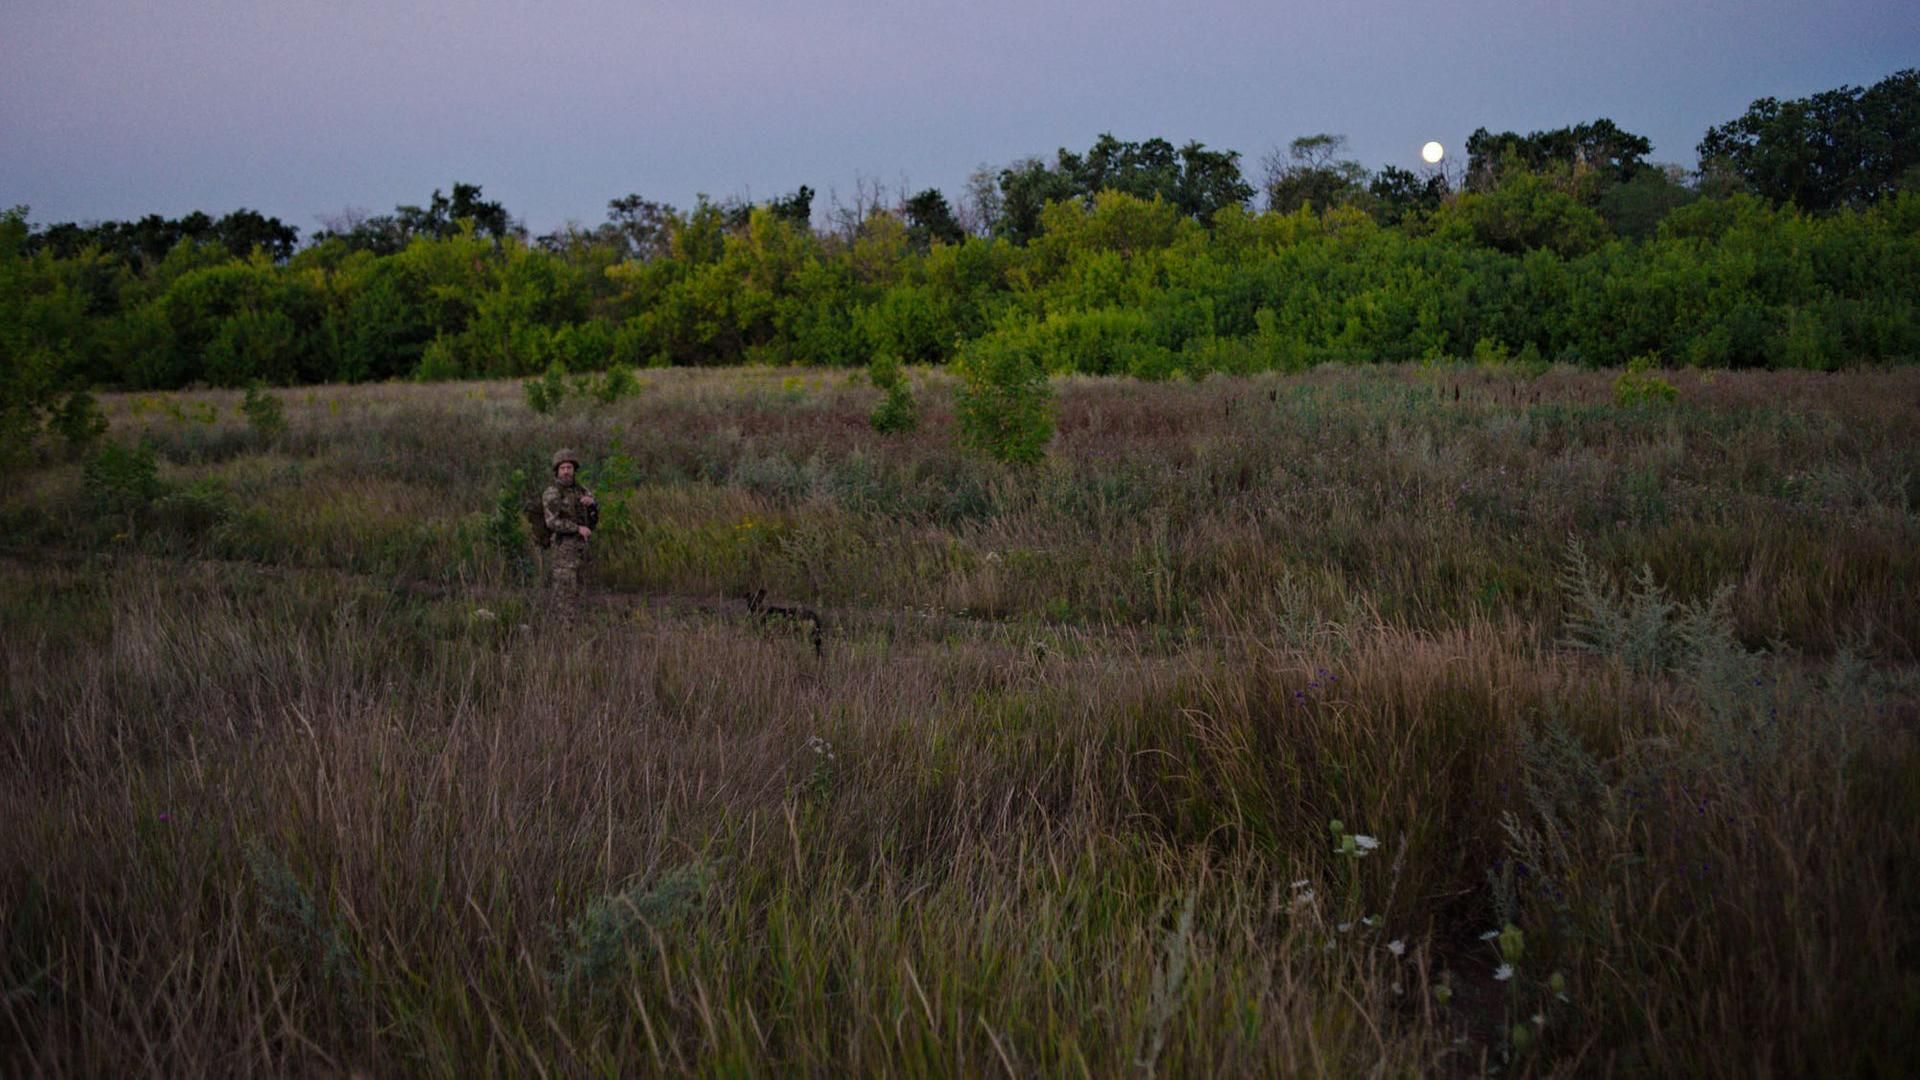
(1198, 183)
(898, 411)
(1524, 213)
(121, 484)
(1641, 385)
(437, 362)
(1130, 257)
(1634, 626)
(1312, 175)
(1846, 147)
(309, 936)
(508, 525)
(1004, 403)
(44, 337)
(615, 383)
(264, 413)
(930, 220)
(78, 420)
(545, 393)
(1600, 147)
(1636, 207)
(602, 939)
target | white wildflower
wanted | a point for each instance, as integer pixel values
(1365, 843)
(1344, 927)
(484, 615)
(1397, 947)
(1489, 935)
(1503, 972)
(1540, 1020)
(1301, 884)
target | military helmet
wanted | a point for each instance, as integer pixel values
(565, 455)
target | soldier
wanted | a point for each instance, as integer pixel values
(568, 507)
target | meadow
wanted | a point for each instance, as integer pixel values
(1365, 720)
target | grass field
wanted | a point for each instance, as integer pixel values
(300, 774)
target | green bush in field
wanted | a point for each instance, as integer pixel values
(1004, 403)
(122, 483)
(78, 420)
(545, 393)
(898, 411)
(1638, 385)
(598, 941)
(264, 413)
(507, 524)
(610, 386)
(438, 362)
(192, 512)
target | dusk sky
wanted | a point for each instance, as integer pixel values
(116, 109)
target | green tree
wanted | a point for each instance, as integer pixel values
(1844, 147)
(1312, 174)
(1004, 403)
(795, 209)
(644, 226)
(1600, 148)
(1636, 207)
(44, 332)
(1398, 194)
(930, 220)
(1197, 181)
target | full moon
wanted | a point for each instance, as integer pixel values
(1432, 153)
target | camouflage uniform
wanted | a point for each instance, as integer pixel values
(567, 560)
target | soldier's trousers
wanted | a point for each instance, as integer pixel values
(567, 564)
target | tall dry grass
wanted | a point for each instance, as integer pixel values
(308, 783)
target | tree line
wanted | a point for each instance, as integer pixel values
(1793, 245)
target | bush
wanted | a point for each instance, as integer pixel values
(1004, 403)
(264, 414)
(195, 510)
(122, 484)
(438, 362)
(547, 392)
(898, 411)
(616, 383)
(1638, 385)
(79, 420)
(507, 525)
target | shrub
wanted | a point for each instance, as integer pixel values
(615, 383)
(194, 510)
(264, 413)
(122, 484)
(79, 420)
(545, 393)
(597, 941)
(507, 525)
(438, 362)
(1004, 403)
(1638, 385)
(898, 411)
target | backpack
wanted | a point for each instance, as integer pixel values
(536, 515)
(535, 511)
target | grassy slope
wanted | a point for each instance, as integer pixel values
(282, 797)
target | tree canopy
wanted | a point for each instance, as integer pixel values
(1844, 147)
